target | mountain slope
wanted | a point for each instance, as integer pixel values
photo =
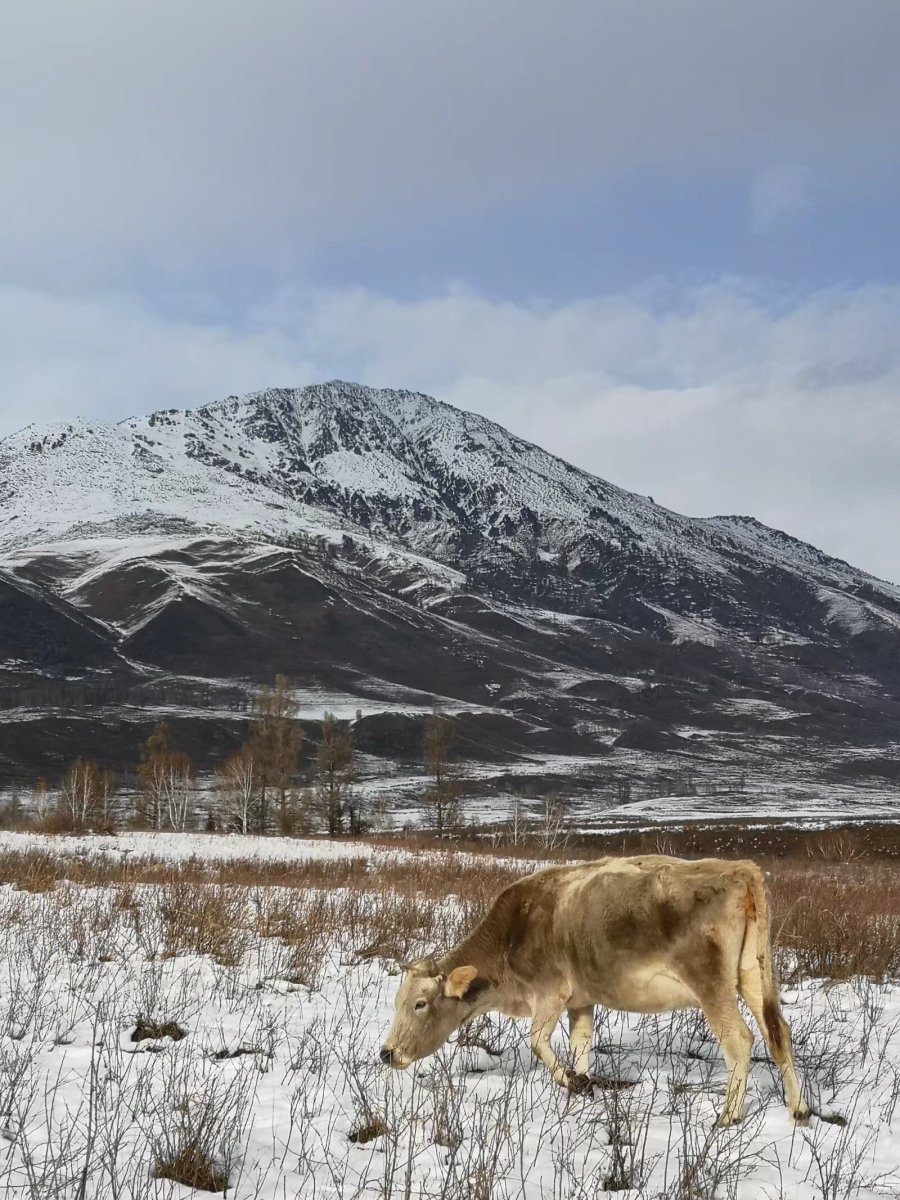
(392, 549)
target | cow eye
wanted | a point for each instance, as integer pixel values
(420, 1004)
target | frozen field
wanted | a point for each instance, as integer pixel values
(259, 1012)
(178, 847)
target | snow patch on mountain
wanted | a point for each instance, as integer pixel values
(416, 484)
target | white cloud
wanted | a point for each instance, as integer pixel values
(718, 399)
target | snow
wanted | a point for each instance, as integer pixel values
(188, 499)
(180, 847)
(855, 615)
(753, 707)
(281, 1063)
(240, 466)
(690, 629)
(792, 806)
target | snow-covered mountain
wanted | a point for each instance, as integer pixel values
(394, 548)
(409, 471)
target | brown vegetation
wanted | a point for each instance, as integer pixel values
(192, 1166)
(833, 914)
(151, 1031)
(276, 738)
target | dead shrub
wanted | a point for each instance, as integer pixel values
(444, 873)
(368, 1132)
(125, 899)
(33, 872)
(204, 920)
(146, 1030)
(835, 904)
(303, 923)
(837, 921)
(13, 817)
(192, 1166)
(196, 1122)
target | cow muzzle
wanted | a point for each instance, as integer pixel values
(393, 1058)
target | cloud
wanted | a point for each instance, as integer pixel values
(162, 140)
(716, 399)
(778, 192)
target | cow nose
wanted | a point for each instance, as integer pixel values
(386, 1056)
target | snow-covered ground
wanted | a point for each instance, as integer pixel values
(179, 847)
(277, 1068)
(809, 808)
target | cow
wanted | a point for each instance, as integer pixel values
(644, 934)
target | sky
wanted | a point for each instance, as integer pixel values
(657, 237)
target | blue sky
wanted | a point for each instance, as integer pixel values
(659, 238)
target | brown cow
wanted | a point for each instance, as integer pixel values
(644, 934)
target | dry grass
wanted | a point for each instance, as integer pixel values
(39, 870)
(203, 920)
(155, 1031)
(727, 838)
(192, 1166)
(368, 1132)
(837, 920)
(834, 914)
(835, 900)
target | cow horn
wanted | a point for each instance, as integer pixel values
(422, 966)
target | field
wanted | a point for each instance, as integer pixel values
(186, 1015)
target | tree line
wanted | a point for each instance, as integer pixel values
(257, 789)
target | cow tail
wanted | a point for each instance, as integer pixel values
(757, 909)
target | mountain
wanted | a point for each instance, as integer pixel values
(384, 550)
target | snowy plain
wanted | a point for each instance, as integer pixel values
(277, 1067)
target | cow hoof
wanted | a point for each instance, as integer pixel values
(801, 1116)
(578, 1083)
(725, 1121)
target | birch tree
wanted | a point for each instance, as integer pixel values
(238, 786)
(85, 793)
(166, 777)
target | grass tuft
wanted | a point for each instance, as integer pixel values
(192, 1166)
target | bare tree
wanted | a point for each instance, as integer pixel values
(42, 801)
(178, 776)
(517, 825)
(153, 751)
(85, 793)
(335, 799)
(442, 798)
(552, 833)
(238, 786)
(276, 737)
(166, 776)
(623, 791)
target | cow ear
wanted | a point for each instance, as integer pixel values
(459, 981)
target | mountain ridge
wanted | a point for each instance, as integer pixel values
(367, 540)
(316, 428)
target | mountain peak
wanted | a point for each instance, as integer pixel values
(403, 468)
(376, 542)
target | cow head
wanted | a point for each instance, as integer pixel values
(428, 1007)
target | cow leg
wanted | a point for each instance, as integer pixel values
(777, 1036)
(733, 1034)
(543, 1023)
(581, 1031)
